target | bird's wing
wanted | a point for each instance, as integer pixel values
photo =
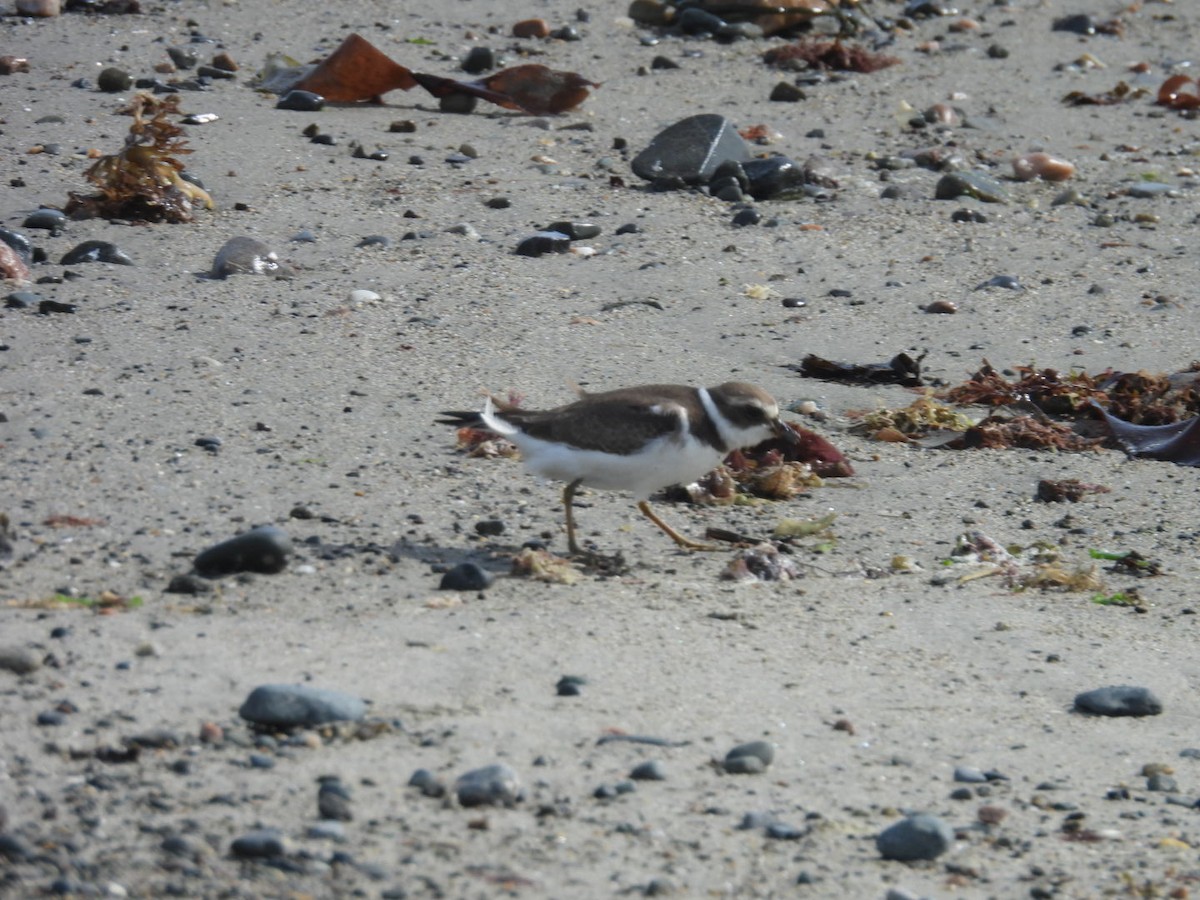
(607, 424)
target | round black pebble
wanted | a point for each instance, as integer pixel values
(301, 101)
(466, 577)
(264, 549)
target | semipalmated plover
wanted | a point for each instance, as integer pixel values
(636, 439)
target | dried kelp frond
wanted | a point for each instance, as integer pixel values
(837, 55)
(1048, 389)
(1024, 432)
(357, 70)
(143, 182)
(531, 88)
(1119, 94)
(1145, 399)
(901, 369)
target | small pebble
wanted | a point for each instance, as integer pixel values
(262, 844)
(333, 800)
(494, 785)
(1029, 166)
(19, 660)
(479, 59)
(650, 770)
(113, 80)
(247, 256)
(749, 759)
(1119, 700)
(575, 231)
(96, 251)
(570, 686)
(531, 28)
(466, 576)
(969, 775)
(542, 243)
(301, 101)
(921, 836)
(52, 220)
(970, 184)
(458, 103)
(428, 783)
(264, 549)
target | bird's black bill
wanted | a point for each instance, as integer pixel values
(460, 419)
(785, 432)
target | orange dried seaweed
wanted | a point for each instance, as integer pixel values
(357, 70)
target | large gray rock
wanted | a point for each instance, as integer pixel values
(690, 150)
(290, 705)
(918, 837)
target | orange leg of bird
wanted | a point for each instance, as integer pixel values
(681, 540)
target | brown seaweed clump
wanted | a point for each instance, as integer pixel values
(143, 182)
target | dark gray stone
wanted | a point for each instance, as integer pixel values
(774, 178)
(301, 101)
(247, 256)
(113, 80)
(262, 844)
(19, 660)
(466, 577)
(52, 220)
(749, 759)
(96, 251)
(921, 836)
(650, 770)
(289, 705)
(1118, 700)
(690, 150)
(428, 783)
(264, 549)
(544, 242)
(970, 184)
(495, 785)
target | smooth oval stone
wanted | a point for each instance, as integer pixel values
(576, 231)
(773, 177)
(327, 830)
(113, 80)
(494, 785)
(458, 102)
(1119, 700)
(466, 576)
(1147, 189)
(691, 150)
(749, 759)
(290, 705)
(12, 847)
(259, 845)
(969, 184)
(570, 686)
(918, 837)
(544, 242)
(20, 244)
(969, 775)
(479, 59)
(428, 783)
(48, 219)
(782, 831)
(19, 660)
(96, 251)
(182, 57)
(745, 217)
(301, 101)
(650, 770)
(264, 549)
(247, 256)
(694, 20)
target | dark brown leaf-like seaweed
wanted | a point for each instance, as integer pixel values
(1067, 490)
(1025, 432)
(143, 182)
(1178, 442)
(1179, 92)
(901, 369)
(531, 88)
(357, 70)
